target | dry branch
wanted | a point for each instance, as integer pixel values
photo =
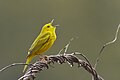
(45, 62)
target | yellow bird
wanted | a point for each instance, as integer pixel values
(42, 43)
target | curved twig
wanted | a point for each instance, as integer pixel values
(106, 44)
(14, 64)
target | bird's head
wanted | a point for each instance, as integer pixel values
(49, 27)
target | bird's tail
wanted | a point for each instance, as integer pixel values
(29, 58)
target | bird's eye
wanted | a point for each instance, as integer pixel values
(48, 26)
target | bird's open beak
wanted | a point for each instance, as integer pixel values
(56, 25)
(52, 23)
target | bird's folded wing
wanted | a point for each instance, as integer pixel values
(39, 42)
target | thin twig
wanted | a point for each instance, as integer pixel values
(66, 47)
(77, 53)
(106, 44)
(14, 64)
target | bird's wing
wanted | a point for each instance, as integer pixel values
(39, 42)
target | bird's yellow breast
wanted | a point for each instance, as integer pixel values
(47, 45)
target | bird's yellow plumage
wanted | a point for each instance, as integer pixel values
(42, 43)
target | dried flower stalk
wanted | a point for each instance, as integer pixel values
(44, 63)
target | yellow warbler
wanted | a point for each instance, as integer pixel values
(43, 42)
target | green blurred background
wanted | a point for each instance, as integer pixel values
(93, 21)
